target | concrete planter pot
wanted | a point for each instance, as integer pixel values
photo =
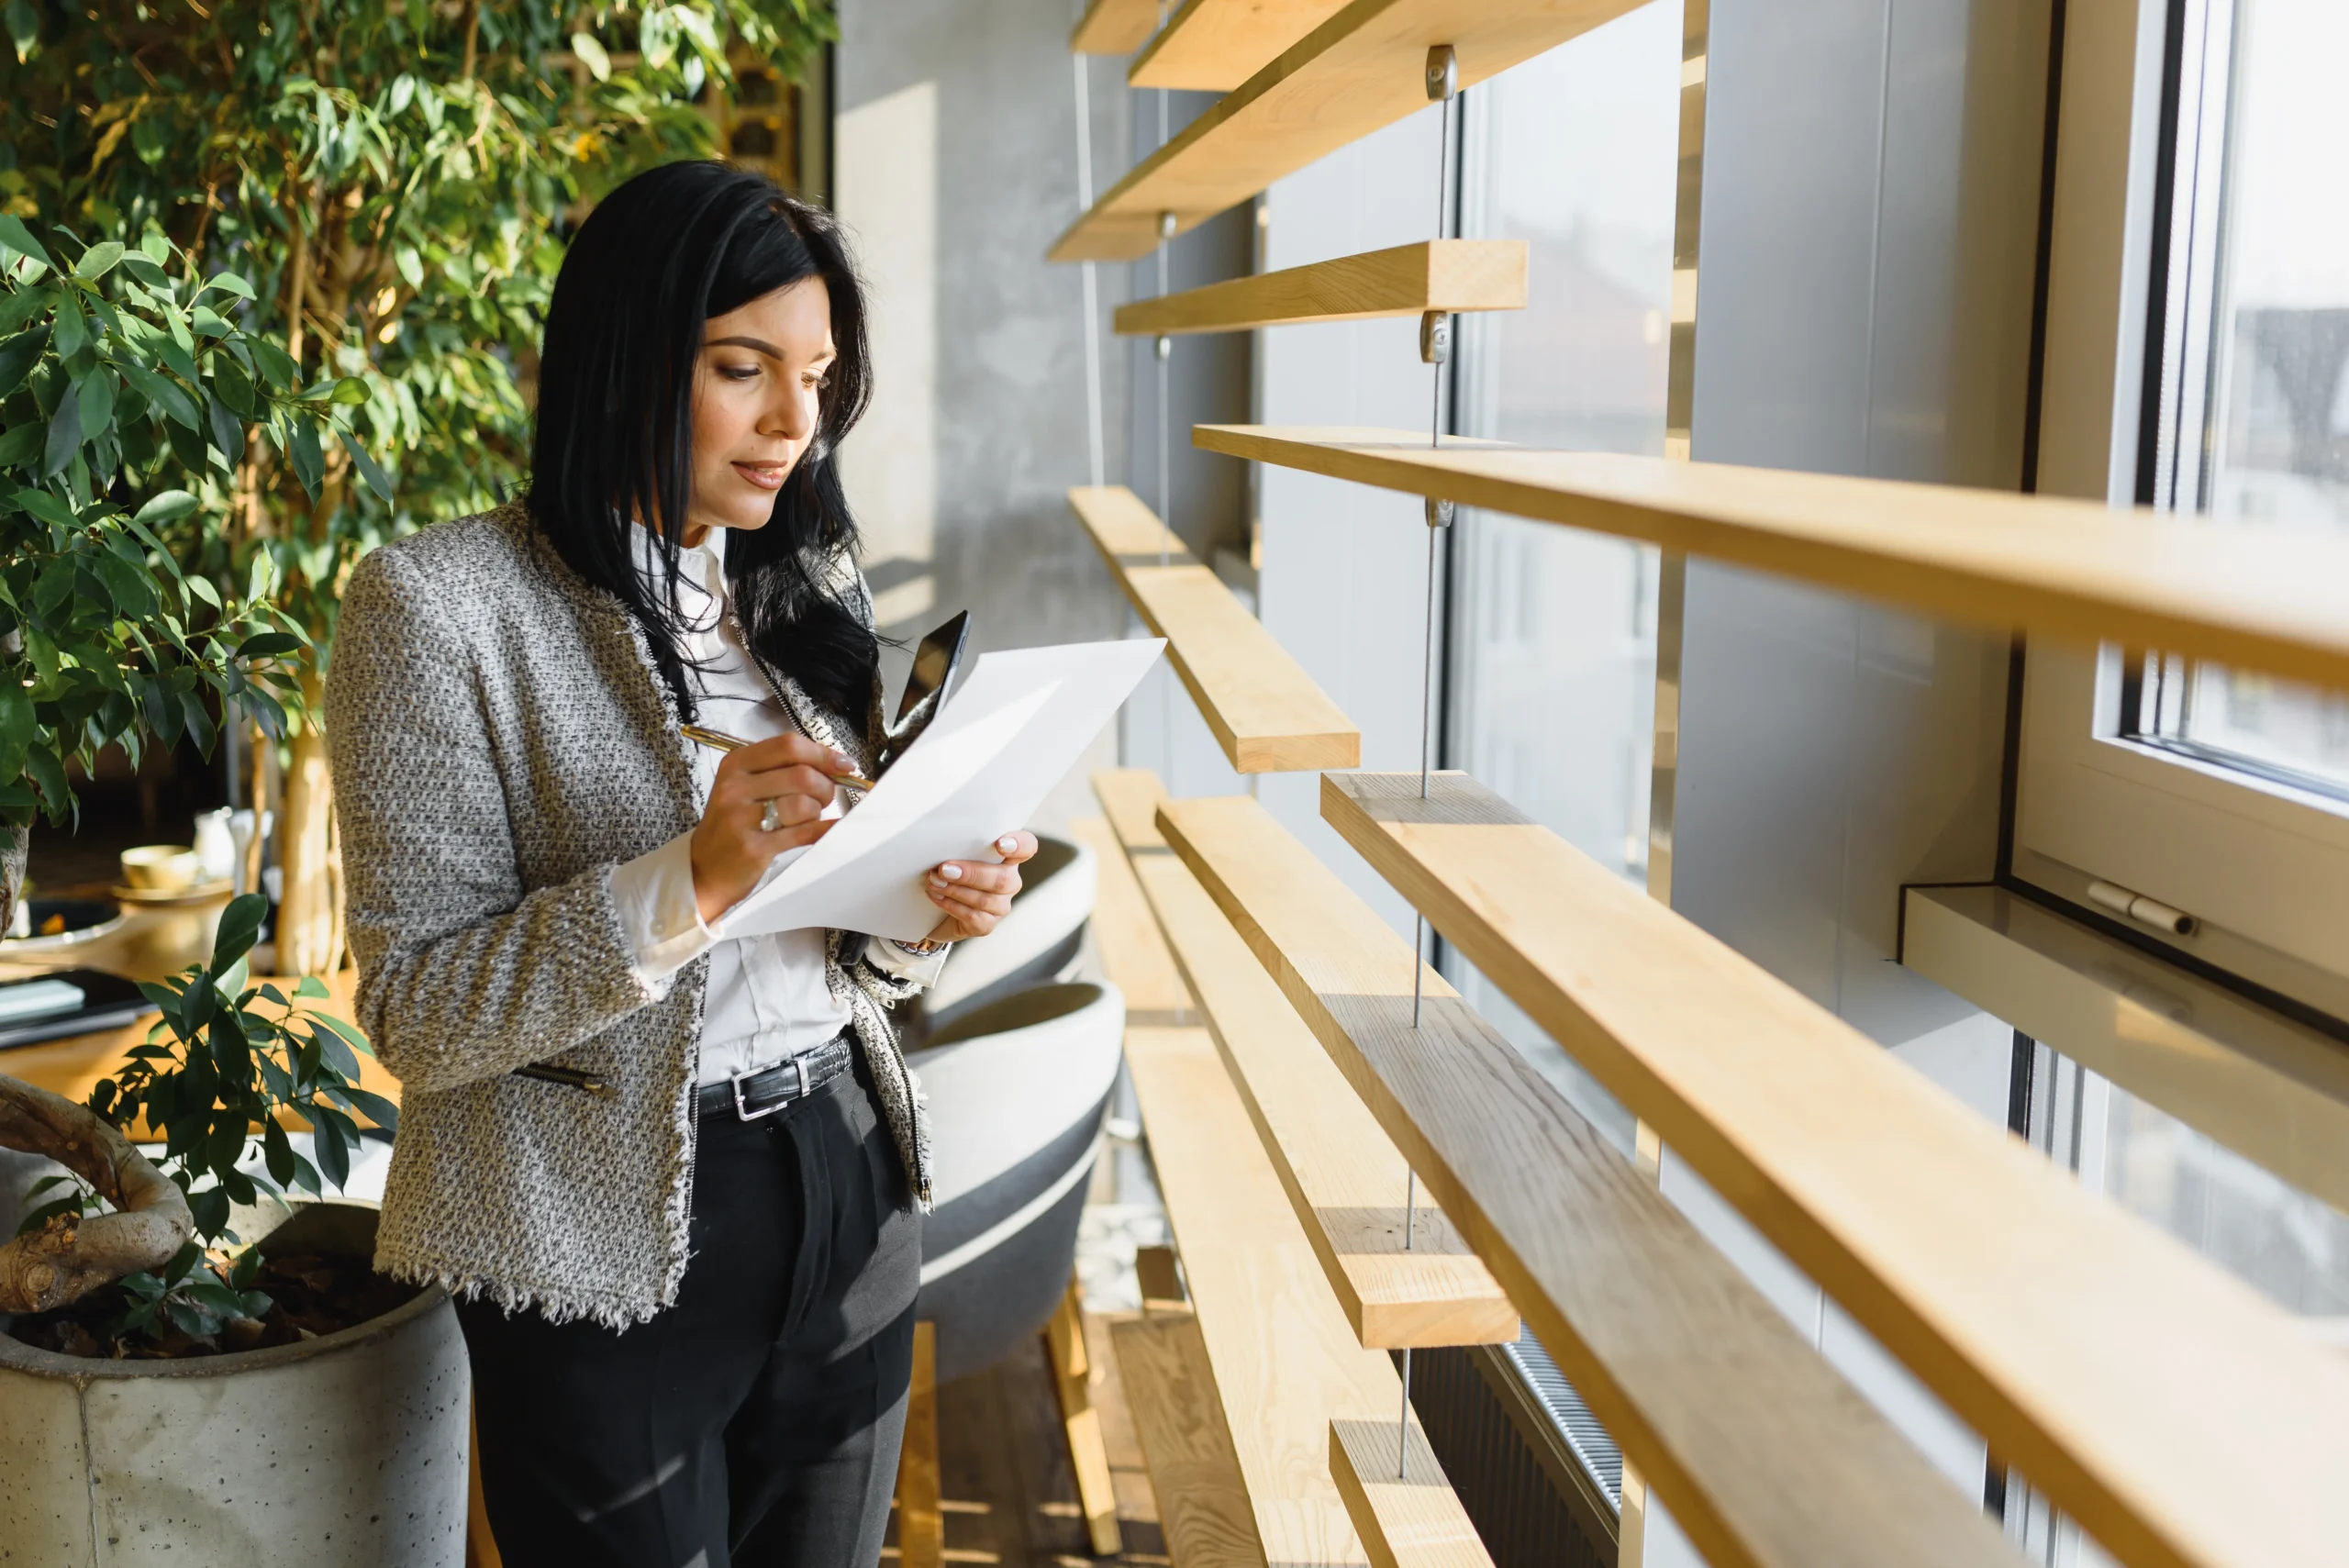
(344, 1452)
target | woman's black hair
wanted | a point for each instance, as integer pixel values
(658, 257)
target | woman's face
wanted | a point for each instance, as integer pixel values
(755, 389)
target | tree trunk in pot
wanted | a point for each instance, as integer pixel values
(13, 846)
(309, 938)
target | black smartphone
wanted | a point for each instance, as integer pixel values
(69, 1002)
(936, 659)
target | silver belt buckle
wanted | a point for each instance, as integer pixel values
(799, 1065)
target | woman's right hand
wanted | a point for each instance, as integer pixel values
(730, 849)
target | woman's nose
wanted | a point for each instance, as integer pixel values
(792, 416)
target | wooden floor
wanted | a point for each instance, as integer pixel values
(1010, 1497)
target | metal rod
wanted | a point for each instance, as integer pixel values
(1094, 445)
(1410, 1203)
(1402, 1423)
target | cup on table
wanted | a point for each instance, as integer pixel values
(161, 868)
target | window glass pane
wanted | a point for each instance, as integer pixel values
(1553, 690)
(2255, 420)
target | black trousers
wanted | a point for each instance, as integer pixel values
(755, 1423)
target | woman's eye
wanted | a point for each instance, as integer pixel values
(739, 372)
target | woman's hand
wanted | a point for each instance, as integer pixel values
(731, 848)
(975, 894)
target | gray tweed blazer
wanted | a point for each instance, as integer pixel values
(501, 742)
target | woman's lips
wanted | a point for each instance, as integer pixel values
(766, 476)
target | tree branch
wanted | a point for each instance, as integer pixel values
(67, 1259)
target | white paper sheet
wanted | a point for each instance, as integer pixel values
(986, 763)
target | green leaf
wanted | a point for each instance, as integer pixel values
(99, 260)
(134, 597)
(376, 1108)
(235, 387)
(21, 446)
(335, 1051)
(50, 773)
(275, 364)
(213, 1299)
(269, 644)
(369, 470)
(593, 55)
(64, 437)
(18, 356)
(13, 232)
(47, 508)
(17, 728)
(73, 331)
(240, 928)
(311, 986)
(95, 393)
(351, 392)
(309, 461)
(228, 435)
(334, 1155)
(162, 393)
(227, 282)
(345, 1033)
(411, 264)
(165, 506)
(210, 1207)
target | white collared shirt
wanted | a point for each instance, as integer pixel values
(766, 998)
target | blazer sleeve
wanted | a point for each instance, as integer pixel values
(463, 975)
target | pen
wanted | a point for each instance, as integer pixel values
(718, 740)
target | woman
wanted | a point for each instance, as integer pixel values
(672, 1178)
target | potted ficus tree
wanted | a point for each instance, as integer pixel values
(320, 1408)
(143, 1298)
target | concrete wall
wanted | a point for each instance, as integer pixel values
(954, 165)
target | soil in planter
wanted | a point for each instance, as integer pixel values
(313, 1295)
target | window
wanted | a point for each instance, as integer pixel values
(2221, 793)
(1553, 683)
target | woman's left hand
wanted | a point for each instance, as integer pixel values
(974, 893)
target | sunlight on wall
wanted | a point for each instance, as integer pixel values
(885, 172)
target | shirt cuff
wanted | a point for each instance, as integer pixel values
(893, 957)
(659, 913)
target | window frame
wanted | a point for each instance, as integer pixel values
(2257, 862)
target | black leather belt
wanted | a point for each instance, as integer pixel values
(751, 1096)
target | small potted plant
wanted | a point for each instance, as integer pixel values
(308, 1399)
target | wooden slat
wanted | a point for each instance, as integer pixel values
(1088, 1457)
(2165, 1406)
(1764, 1454)
(1212, 46)
(1408, 280)
(1363, 69)
(1126, 938)
(1114, 27)
(1367, 1459)
(1285, 1361)
(921, 1520)
(1345, 1181)
(1186, 1443)
(1266, 713)
(1283, 1357)
(2241, 592)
